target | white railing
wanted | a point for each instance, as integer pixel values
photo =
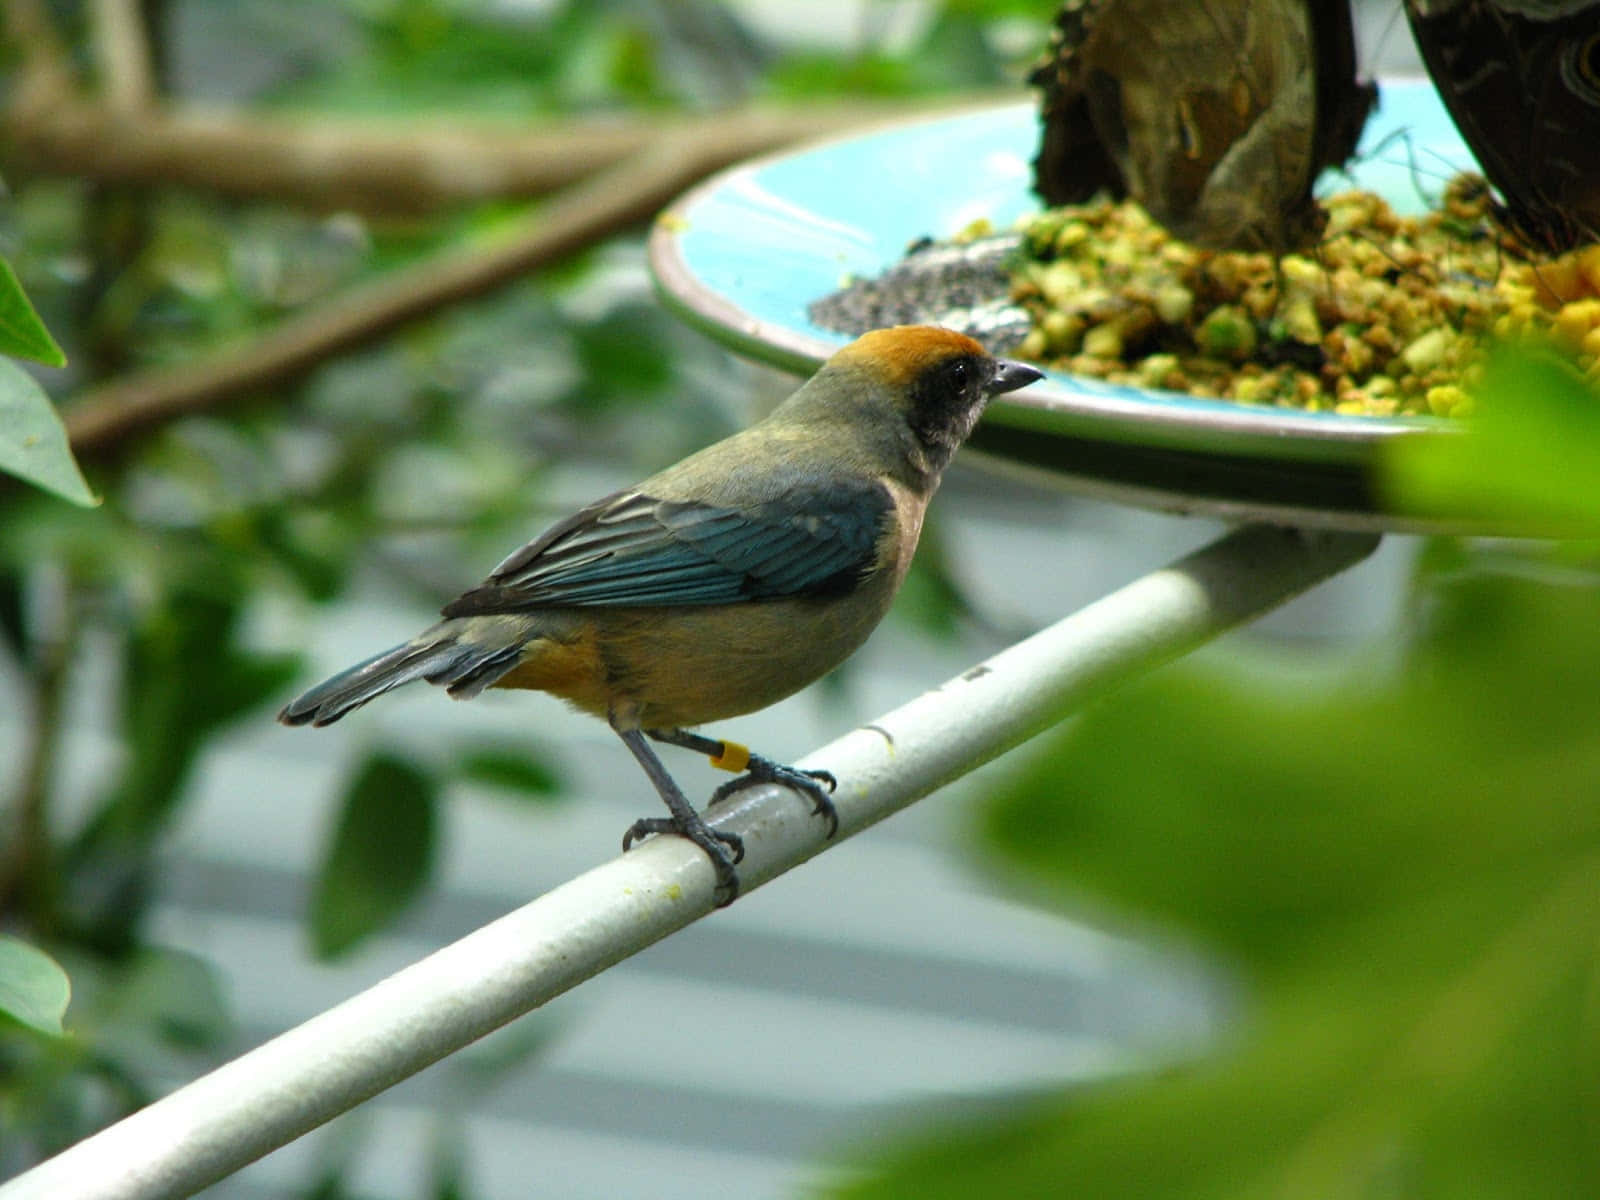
(219, 1123)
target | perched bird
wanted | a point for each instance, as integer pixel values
(723, 583)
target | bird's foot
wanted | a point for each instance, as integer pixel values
(723, 849)
(816, 784)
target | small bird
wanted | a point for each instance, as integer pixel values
(722, 584)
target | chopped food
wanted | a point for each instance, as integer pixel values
(1387, 315)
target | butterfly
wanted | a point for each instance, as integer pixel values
(1216, 115)
(1521, 79)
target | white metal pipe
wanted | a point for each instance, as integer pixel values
(270, 1096)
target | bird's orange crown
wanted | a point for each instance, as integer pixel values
(901, 353)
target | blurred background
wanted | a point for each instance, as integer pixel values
(208, 879)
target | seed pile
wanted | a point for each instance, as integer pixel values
(1389, 315)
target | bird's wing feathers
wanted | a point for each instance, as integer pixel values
(815, 539)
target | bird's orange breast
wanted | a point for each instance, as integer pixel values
(572, 669)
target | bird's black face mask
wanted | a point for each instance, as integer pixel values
(948, 399)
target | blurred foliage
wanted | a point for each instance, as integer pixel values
(136, 1021)
(957, 48)
(34, 990)
(1392, 852)
(22, 334)
(381, 854)
(1529, 451)
(509, 768)
(1397, 855)
(422, 54)
(33, 443)
(173, 613)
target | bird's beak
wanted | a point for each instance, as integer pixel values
(1009, 376)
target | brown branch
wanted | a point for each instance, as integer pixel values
(368, 166)
(623, 196)
(127, 76)
(28, 884)
(322, 164)
(45, 75)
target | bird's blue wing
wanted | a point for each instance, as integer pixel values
(814, 539)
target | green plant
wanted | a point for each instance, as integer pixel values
(415, 459)
(1394, 854)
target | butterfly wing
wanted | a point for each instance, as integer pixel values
(1522, 83)
(1217, 116)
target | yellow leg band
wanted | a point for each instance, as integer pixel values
(734, 757)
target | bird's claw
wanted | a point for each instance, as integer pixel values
(816, 784)
(714, 842)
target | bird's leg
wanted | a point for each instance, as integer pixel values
(753, 769)
(684, 822)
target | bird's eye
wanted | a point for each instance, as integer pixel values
(960, 373)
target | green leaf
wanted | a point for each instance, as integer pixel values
(623, 355)
(380, 857)
(33, 988)
(955, 52)
(1397, 857)
(514, 769)
(175, 997)
(184, 676)
(22, 334)
(1528, 458)
(33, 442)
(13, 612)
(449, 1163)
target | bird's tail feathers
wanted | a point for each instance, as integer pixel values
(441, 655)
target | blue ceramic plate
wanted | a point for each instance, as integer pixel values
(745, 253)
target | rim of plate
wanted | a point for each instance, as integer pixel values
(1058, 403)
